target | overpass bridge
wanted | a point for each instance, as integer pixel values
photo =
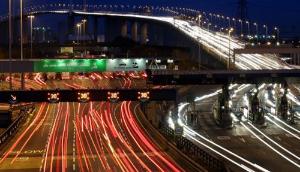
(220, 45)
(221, 77)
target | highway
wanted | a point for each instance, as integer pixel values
(87, 137)
(94, 136)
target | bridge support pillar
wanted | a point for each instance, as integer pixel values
(134, 31)
(124, 29)
(71, 25)
(95, 28)
(144, 33)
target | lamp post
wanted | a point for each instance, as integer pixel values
(21, 27)
(266, 27)
(242, 29)
(229, 47)
(256, 26)
(248, 24)
(199, 20)
(277, 33)
(10, 42)
(84, 33)
(229, 24)
(31, 17)
(234, 23)
(21, 43)
(208, 26)
(78, 31)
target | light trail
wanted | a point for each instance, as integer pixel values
(275, 150)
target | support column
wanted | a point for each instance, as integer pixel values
(95, 28)
(134, 30)
(71, 25)
(144, 33)
(124, 29)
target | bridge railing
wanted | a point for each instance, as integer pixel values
(196, 153)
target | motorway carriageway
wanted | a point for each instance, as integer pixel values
(95, 136)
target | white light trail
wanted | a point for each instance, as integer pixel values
(275, 150)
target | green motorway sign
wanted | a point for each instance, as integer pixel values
(70, 65)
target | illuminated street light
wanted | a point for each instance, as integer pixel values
(266, 27)
(256, 26)
(277, 32)
(10, 42)
(229, 46)
(242, 29)
(229, 23)
(21, 42)
(31, 17)
(234, 23)
(199, 20)
(248, 24)
(78, 31)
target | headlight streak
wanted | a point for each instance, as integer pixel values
(275, 150)
(268, 118)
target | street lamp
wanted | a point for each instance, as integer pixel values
(229, 47)
(229, 24)
(256, 26)
(84, 33)
(208, 25)
(21, 27)
(234, 23)
(277, 32)
(266, 27)
(31, 17)
(242, 32)
(248, 24)
(10, 42)
(78, 31)
(199, 20)
(21, 42)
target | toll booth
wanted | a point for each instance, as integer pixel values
(256, 113)
(221, 109)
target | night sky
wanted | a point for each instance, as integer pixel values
(282, 13)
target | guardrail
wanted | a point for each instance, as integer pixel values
(15, 125)
(196, 153)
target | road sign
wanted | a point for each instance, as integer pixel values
(126, 65)
(70, 65)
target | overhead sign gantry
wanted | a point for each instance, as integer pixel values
(86, 95)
